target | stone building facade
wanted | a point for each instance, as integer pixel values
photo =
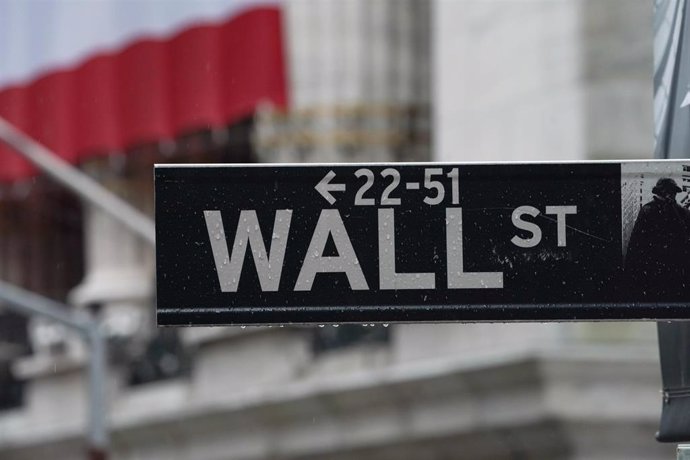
(381, 80)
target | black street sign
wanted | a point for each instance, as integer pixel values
(277, 244)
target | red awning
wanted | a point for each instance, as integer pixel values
(182, 74)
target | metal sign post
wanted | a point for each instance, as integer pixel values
(672, 135)
(268, 244)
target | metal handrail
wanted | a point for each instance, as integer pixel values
(73, 179)
(31, 304)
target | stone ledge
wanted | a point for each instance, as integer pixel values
(39, 365)
(198, 336)
(425, 404)
(114, 285)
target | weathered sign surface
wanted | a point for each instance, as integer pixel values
(269, 244)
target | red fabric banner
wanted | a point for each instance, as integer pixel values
(205, 76)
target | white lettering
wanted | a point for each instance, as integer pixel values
(330, 223)
(388, 278)
(561, 212)
(457, 278)
(527, 226)
(268, 267)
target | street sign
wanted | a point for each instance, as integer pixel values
(275, 244)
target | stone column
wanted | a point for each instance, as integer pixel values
(119, 276)
(119, 266)
(359, 83)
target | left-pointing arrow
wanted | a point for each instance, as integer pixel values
(324, 187)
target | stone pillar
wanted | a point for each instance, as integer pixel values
(119, 276)
(119, 266)
(359, 83)
(543, 80)
(119, 280)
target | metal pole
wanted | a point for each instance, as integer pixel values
(25, 302)
(98, 431)
(81, 184)
(29, 303)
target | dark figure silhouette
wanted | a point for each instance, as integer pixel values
(657, 263)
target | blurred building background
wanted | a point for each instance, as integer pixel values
(360, 80)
